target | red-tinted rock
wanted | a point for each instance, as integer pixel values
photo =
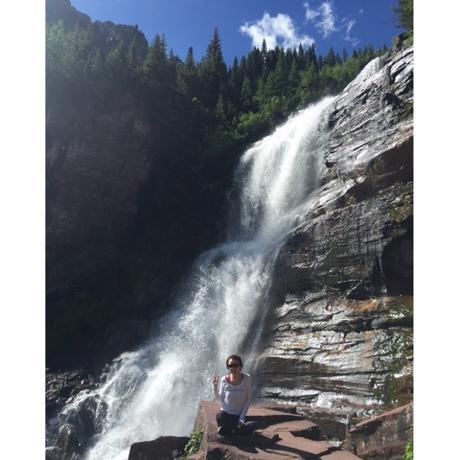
(278, 436)
(340, 455)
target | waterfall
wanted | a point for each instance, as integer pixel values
(155, 390)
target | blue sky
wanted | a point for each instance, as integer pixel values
(243, 23)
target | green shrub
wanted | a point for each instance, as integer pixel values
(409, 447)
(409, 451)
(194, 443)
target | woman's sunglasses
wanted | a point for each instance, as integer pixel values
(232, 365)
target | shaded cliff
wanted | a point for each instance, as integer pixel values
(341, 331)
(133, 195)
(120, 230)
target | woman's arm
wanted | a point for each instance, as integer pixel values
(217, 388)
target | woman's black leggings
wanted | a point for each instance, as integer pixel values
(229, 424)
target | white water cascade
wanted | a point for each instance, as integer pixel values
(155, 390)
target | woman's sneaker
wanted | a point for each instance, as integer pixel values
(222, 432)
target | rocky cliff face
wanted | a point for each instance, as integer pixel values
(341, 330)
(123, 182)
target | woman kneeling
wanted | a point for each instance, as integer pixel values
(233, 391)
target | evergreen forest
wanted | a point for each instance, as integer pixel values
(236, 103)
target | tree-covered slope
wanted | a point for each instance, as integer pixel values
(141, 148)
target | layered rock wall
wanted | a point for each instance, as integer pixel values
(340, 335)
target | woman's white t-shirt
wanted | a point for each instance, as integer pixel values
(234, 399)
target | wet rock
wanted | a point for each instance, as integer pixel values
(62, 385)
(67, 435)
(330, 353)
(340, 332)
(163, 448)
(53, 453)
(351, 250)
(384, 436)
(68, 443)
(333, 426)
(83, 419)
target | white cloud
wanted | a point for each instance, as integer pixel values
(348, 25)
(310, 13)
(327, 23)
(276, 30)
(323, 18)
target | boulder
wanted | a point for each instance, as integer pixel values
(384, 436)
(163, 448)
(62, 385)
(279, 435)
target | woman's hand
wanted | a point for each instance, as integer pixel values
(215, 379)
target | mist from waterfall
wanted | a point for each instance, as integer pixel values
(155, 390)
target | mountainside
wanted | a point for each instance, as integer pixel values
(140, 157)
(131, 200)
(341, 329)
(120, 231)
(338, 316)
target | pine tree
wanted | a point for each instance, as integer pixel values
(214, 56)
(301, 60)
(289, 55)
(247, 95)
(293, 77)
(255, 64)
(220, 110)
(301, 51)
(190, 60)
(405, 12)
(309, 85)
(338, 59)
(155, 62)
(172, 64)
(277, 84)
(270, 61)
(235, 81)
(330, 58)
(312, 60)
(117, 60)
(264, 50)
(96, 65)
(188, 76)
(133, 58)
(370, 53)
(214, 71)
